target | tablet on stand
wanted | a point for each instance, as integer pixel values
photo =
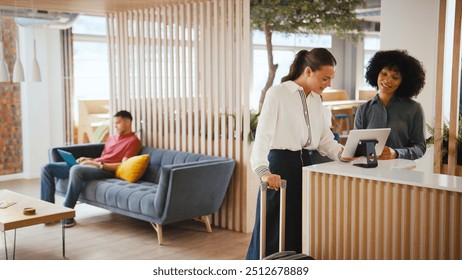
(366, 142)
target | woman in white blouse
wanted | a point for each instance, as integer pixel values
(291, 124)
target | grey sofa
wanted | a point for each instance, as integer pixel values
(176, 186)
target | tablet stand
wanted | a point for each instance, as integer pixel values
(367, 148)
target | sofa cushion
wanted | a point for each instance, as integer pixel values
(133, 168)
(114, 193)
(162, 157)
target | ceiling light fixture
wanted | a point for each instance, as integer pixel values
(18, 71)
(36, 77)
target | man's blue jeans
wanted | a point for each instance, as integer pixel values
(77, 175)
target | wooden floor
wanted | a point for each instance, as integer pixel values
(102, 235)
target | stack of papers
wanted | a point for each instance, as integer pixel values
(6, 204)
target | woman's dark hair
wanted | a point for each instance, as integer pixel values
(124, 115)
(315, 59)
(411, 70)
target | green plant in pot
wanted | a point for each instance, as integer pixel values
(253, 125)
(445, 141)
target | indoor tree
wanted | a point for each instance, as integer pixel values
(303, 16)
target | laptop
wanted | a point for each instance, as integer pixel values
(68, 157)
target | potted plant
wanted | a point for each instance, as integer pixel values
(253, 125)
(445, 141)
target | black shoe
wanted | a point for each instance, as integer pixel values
(68, 223)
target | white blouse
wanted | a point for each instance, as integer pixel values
(282, 126)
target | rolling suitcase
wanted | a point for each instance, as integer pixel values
(282, 254)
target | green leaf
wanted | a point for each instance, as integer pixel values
(308, 16)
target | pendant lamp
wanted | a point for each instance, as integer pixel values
(36, 77)
(18, 70)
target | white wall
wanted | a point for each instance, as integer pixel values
(338, 50)
(413, 25)
(42, 102)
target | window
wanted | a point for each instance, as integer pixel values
(371, 46)
(90, 25)
(91, 77)
(91, 73)
(91, 66)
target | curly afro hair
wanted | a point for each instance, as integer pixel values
(411, 70)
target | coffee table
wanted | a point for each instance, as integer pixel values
(13, 217)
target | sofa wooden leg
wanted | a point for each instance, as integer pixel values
(206, 221)
(158, 229)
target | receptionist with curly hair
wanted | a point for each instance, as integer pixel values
(398, 77)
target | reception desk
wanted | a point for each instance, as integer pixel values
(388, 212)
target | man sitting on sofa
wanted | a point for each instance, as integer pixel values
(117, 149)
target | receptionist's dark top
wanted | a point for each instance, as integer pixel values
(406, 119)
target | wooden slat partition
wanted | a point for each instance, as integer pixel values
(183, 72)
(353, 218)
(452, 75)
(454, 112)
(68, 85)
(439, 88)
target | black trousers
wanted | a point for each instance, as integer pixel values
(287, 164)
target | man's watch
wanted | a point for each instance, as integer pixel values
(101, 165)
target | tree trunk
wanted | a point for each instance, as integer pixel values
(271, 66)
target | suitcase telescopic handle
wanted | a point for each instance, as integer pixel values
(264, 185)
(282, 217)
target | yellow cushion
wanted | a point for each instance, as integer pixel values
(133, 168)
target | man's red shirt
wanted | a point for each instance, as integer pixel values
(118, 147)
